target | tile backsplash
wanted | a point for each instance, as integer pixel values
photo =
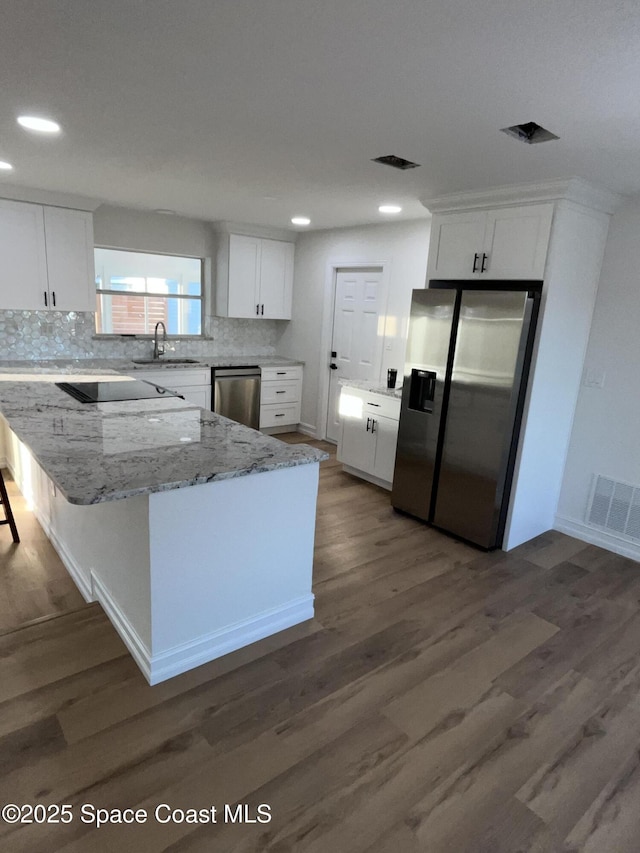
(60, 334)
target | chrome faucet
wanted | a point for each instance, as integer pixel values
(157, 349)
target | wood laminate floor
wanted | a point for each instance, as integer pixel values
(442, 700)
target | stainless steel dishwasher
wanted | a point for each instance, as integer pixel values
(236, 394)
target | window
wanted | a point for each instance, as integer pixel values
(135, 290)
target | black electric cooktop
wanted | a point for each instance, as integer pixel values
(111, 392)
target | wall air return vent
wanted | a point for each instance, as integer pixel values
(529, 132)
(615, 507)
(396, 162)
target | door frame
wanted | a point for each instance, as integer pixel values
(332, 270)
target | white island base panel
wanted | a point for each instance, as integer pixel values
(190, 574)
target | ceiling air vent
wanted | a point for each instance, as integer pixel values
(529, 132)
(396, 162)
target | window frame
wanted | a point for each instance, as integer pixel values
(150, 335)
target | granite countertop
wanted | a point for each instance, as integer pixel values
(100, 452)
(373, 387)
(91, 365)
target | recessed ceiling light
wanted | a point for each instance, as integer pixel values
(301, 220)
(40, 125)
(5, 167)
(390, 208)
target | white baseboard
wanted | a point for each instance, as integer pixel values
(160, 667)
(308, 429)
(597, 537)
(356, 472)
(69, 563)
(189, 655)
(128, 634)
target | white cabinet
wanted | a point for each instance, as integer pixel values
(555, 231)
(369, 434)
(256, 281)
(69, 240)
(280, 398)
(23, 269)
(193, 384)
(503, 243)
(47, 258)
(385, 431)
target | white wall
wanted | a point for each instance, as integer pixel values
(402, 245)
(606, 426)
(145, 231)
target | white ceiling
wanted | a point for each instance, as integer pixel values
(257, 110)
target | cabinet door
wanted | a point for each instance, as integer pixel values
(23, 266)
(199, 395)
(516, 241)
(244, 262)
(456, 238)
(69, 239)
(276, 279)
(357, 445)
(386, 433)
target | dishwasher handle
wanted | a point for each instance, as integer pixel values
(230, 372)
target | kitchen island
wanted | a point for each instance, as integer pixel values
(193, 532)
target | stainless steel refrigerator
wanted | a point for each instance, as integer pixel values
(468, 355)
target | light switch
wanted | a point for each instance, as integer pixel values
(594, 378)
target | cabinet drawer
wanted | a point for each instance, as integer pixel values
(270, 374)
(275, 415)
(280, 392)
(375, 404)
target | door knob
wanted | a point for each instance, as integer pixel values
(333, 366)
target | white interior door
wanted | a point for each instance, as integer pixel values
(357, 335)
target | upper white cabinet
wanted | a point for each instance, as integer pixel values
(23, 270)
(47, 258)
(503, 243)
(69, 241)
(255, 279)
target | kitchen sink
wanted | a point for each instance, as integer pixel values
(165, 361)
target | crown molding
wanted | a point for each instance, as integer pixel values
(245, 229)
(576, 190)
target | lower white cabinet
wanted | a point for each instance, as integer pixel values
(280, 398)
(193, 385)
(367, 446)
